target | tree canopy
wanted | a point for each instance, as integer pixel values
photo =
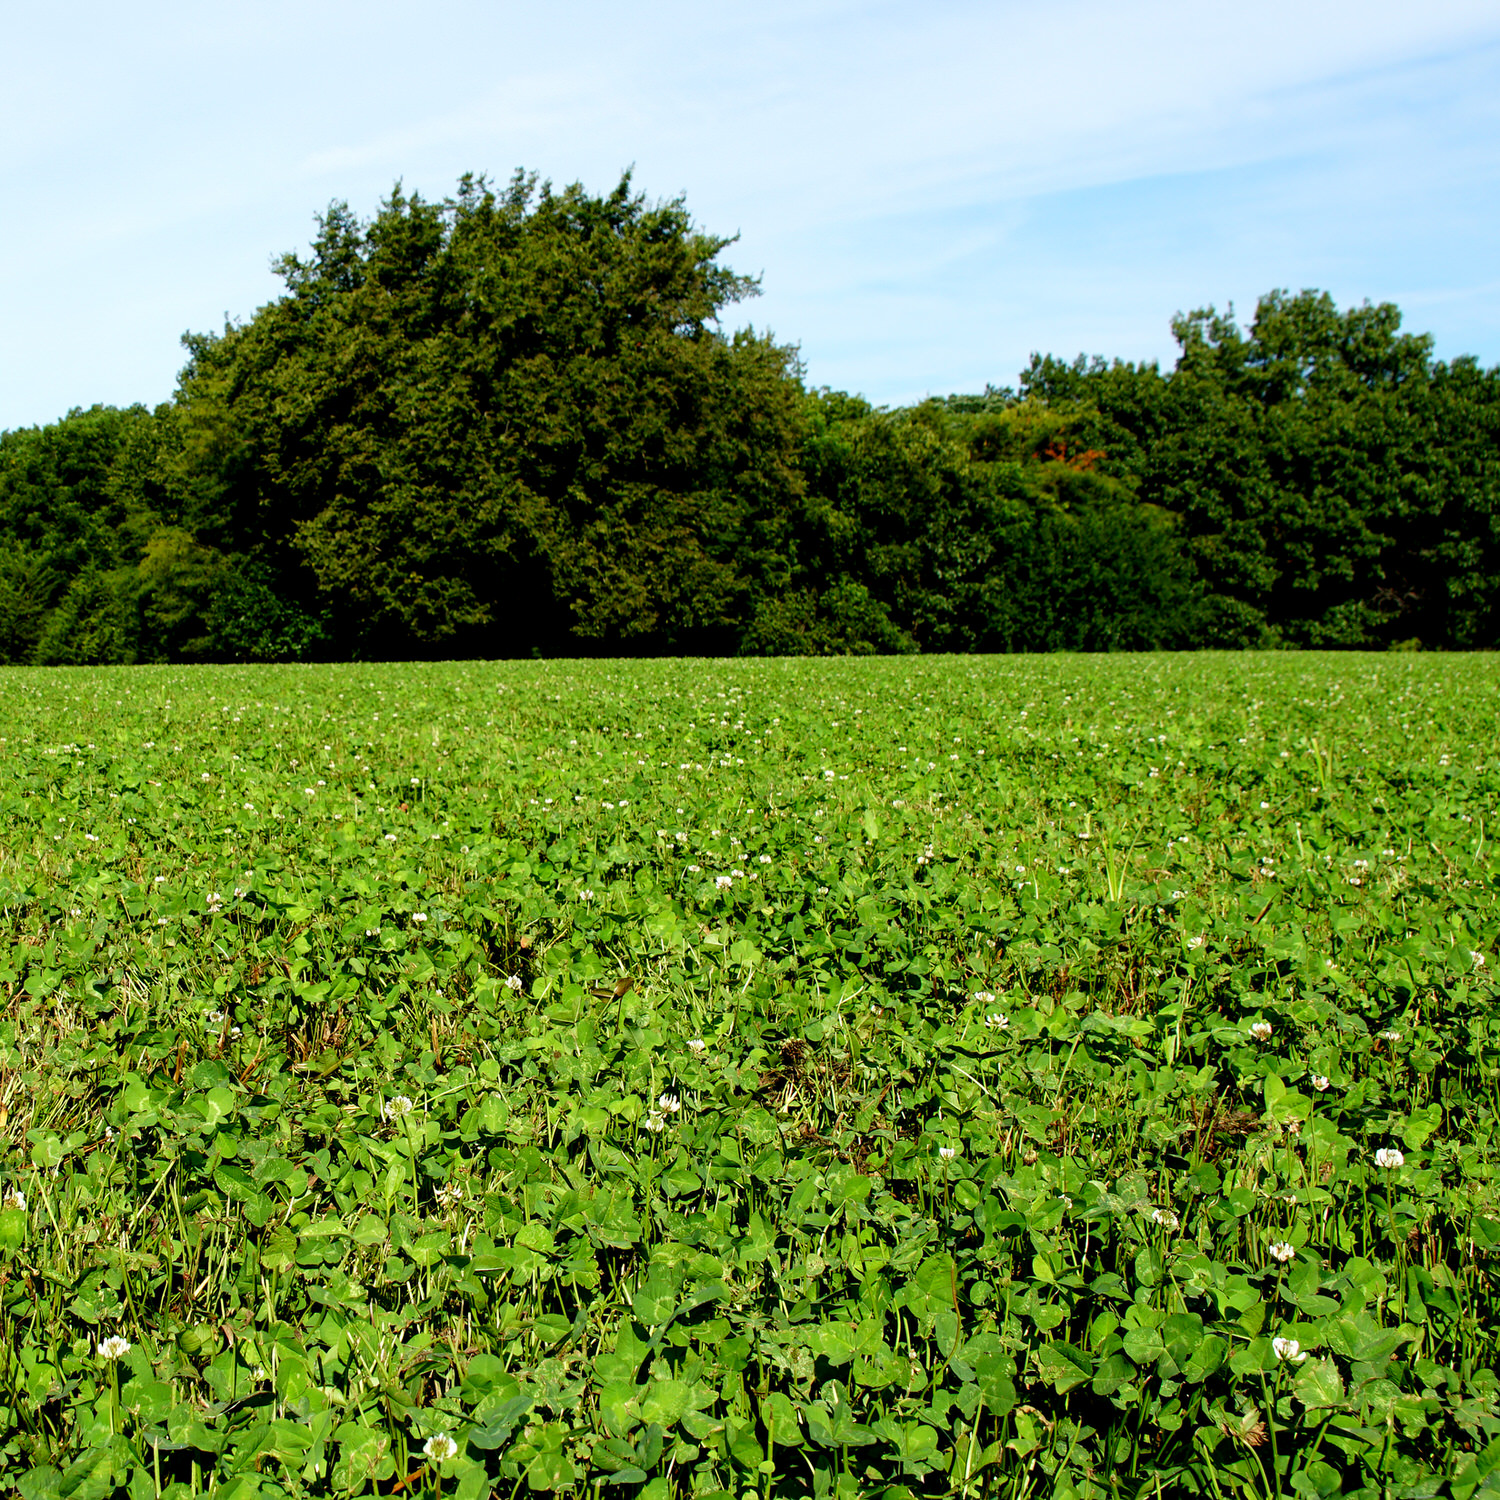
(513, 422)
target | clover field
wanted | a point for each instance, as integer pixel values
(1000, 1076)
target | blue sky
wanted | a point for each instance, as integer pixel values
(930, 191)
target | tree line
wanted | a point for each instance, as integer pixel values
(510, 423)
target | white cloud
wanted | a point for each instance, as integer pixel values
(916, 181)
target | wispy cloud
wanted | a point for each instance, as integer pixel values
(931, 191)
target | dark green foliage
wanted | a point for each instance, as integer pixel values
(502, 423)
(509, 424)
(72, 513)
(99, 560)
(1336, 485)
(953, 529)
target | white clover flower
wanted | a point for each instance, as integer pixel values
(1388, 1158)
(372, 932)
(513, 982)
(1165, 1217)
(697, 1044)
(669, 1104)
(723, 882)
(390, 838)
(997, 1022)
(439, 1446)
(1261, 1031)
(694, 869)
(1320, 1082)
(654, 1122)
(397, 1108)
(14, 1198)
(1280, 1250)
(946, 1153)
(1195, 942)
(449, 1195)
(419, 916)
(765, 859)
(1476, 959)
(983, 997)
(114, 1347)
(213, 1017)
(249, 807)
(585, 895)
(1390, 1036)
(1288, 1350)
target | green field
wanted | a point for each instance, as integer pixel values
(829, 1077)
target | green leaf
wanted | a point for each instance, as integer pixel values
(12, 1228)
(994, 1374)
(1182, 1333)
(1474, 1473)
(1063, 1366)
(148, 1401)
(1144, 1346)
(1318, 1479)
(429, 1249)
(1318, 1384)
(654, 1302)
(664, 1402)
(278, 1252)
(41, 1483)
(550, 1469)
(1209, 1354)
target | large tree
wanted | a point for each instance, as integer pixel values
(1336, 485)
(500, 423)
(973, 524)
